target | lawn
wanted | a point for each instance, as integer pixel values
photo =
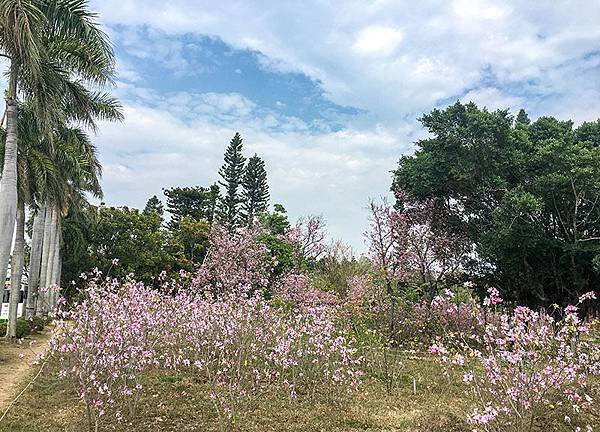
(178, 403)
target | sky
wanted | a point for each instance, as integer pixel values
(328, 93)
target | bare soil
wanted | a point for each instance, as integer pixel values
(16, 363)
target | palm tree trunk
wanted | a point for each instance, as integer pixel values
(55, 281)
(35, 261)
(51, 258)
(8, 182)
(42, 304)
(18, 258)
(58, 262)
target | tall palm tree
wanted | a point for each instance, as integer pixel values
(46, 42)
(50, 173)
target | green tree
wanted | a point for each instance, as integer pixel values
(526, 198)
(54, 48)
(134, 238)
(255, 189)
(276, 224)
(232, 173)
(522, 118)
(154, 205)
(188, 242)
(196, 202)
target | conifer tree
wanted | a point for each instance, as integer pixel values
(196, 202)
(256, 189)
(154, 205)
(522, 117)
(232, 173)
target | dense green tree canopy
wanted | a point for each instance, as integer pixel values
(525, 194)
(196, 202)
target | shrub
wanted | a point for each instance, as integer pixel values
(239, 345)
(525, 364)
(37, 323)
(23, 328)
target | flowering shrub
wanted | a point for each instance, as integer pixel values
(239, 345)
(524, 364)
(107, 344)
(234, 262)
(413, 324)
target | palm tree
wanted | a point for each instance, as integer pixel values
(54, 48)
(51, 175)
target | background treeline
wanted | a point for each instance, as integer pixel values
(166, 237)
(524, 196)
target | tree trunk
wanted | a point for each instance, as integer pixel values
(8, 182)
(18, 258)
(51, 257)
(35, 261)
(42, 303)
(56, 264)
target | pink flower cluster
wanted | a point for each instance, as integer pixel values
(234, 262)
(239, 345)
(297, 288)
(524, 364)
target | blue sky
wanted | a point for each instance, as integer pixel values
(328, 93)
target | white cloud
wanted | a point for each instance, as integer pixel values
(493, 99)
(378, 40)
(332, 174)
(443, 49)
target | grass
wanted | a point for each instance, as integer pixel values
(178, 403)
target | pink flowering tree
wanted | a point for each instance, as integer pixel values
(235, 261)
(307, 238)
(403, 245)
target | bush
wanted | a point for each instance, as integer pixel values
(526, 364)
(23, 328)
(37, 323)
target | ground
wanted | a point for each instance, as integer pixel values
(16, 364)
(178, 403)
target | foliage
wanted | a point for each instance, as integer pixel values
(24, 328)
(154, 205)
(524, 194)
(96, 236)
(187, 242)
(255, 191)
(276, 222)
(198, 203)
(232, 173)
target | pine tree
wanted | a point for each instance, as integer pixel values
(232, 173)
(256, 189)
(522, 117)
(154, 205)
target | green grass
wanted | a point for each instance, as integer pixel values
(178, 403)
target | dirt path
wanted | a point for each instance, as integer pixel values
(16, 363)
